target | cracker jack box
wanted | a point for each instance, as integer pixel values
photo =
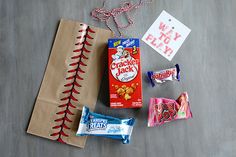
(125, 80)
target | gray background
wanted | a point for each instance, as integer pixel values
(207, 60)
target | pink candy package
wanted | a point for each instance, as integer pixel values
(162, 110)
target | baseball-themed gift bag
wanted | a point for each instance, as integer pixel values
(72, 80)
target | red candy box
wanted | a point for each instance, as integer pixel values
(125, 81)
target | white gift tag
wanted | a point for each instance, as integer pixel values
(166, 35)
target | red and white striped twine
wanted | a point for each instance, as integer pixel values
(104, 15)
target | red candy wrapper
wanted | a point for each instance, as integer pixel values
(162, 110)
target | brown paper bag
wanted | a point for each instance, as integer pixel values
(72, 79)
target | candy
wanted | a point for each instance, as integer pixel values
(106, 126)
(162, 76)
(162, 110)
(125, 77)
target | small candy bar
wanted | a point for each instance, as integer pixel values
(164, 75)
(106, 126)
(162, 110)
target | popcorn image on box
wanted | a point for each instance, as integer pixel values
(125, 80)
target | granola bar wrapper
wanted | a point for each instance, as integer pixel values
(163, 110)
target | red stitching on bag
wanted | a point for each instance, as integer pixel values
(79, 43)
(76, 72)
(78, 50)
(85, 50)
(76, 84)
(71, 71)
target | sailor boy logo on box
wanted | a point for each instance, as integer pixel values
(97, 124)
(124, 67)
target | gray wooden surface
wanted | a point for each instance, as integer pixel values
(207, 60)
